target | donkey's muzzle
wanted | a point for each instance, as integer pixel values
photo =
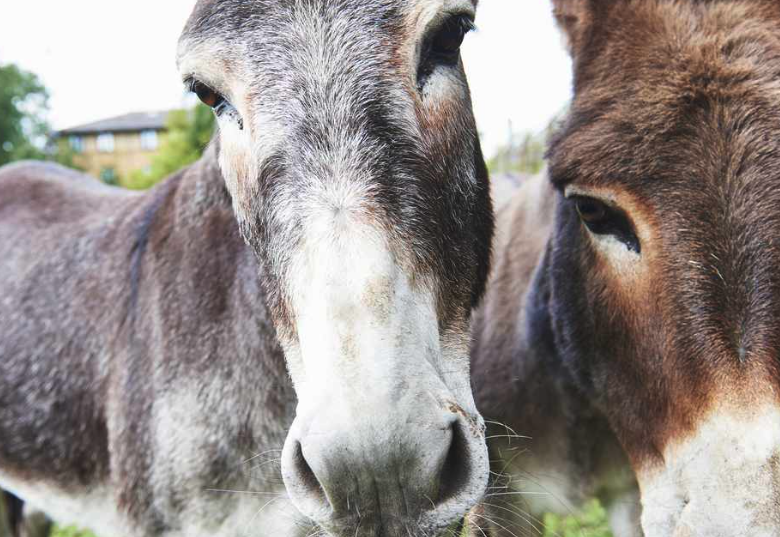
(371, 482)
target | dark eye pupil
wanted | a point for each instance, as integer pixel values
(591, 211)
(206, 95)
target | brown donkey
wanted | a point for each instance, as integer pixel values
(632, 325)
(338, 228)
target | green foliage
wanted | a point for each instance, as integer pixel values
(24, 131)
(24, 102)
(70, 531)
(189, 132)
(524, 152)
(108, 176)
(591, 522)
(61, 153)
(523, 155)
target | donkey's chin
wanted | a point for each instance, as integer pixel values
(445, 520)
(398, 528)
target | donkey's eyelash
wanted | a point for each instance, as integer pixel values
(469, 24)
(190, 83)
(465, 20)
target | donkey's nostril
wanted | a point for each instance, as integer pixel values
(306, 476)
(455, 473)
(341, 478)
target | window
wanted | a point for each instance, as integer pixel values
(76, 143)
(108, 176)
(149, 140)
(105, 142)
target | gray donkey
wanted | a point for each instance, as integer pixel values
(338, 228)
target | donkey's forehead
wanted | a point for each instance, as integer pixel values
(226, 39)
(672, 90)
(241, 16)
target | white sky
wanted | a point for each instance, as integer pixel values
(102, 58)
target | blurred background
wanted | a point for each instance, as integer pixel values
(93, 84)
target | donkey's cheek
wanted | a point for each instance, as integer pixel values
(239, 167)
(702, 486)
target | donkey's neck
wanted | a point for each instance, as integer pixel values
(192, 246)
(202, 188)
(199, 210)
(196, 260)
(201, 343)
(505, 360)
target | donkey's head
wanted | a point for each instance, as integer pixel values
(348, 144)
(666, 250)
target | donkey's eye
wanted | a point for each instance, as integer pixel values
(215, 101)
(449, 38)
(207, 96)
(601, 219)
(592, 212)
(442, 47)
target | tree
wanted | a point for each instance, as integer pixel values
(62, 153)
(24, 102)
(189, 133)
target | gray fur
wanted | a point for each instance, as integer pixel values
(143, 382)
(85, 362)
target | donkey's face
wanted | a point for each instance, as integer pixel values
(349, 147)
(666, 250)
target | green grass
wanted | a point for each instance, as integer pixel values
(592, 522)
(70, 532)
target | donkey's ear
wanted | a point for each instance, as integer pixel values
(575, 18)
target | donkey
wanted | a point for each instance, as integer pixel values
(338, 227)
(632, 324)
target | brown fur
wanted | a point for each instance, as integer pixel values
(675, 118)
(675, 111)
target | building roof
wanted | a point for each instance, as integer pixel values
(138, 121)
